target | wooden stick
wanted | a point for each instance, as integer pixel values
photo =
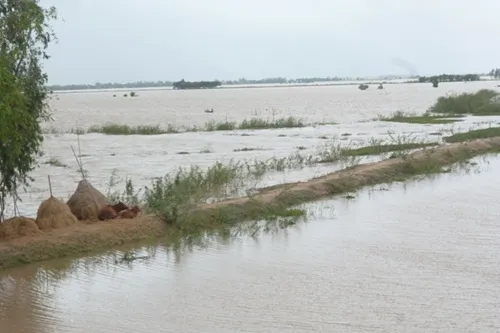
(50, 185)
(80, 166)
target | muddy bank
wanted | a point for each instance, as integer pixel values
(81, 238)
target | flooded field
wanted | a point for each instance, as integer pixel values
(422, 256)
(143, 157)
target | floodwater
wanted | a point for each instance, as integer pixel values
(423, 256)
(141, 158)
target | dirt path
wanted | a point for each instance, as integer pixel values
(89, 237)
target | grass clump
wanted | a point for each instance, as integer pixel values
(117, 129)
(258, 123)
(473, 135)
(212, 126)
(247, 149)
(426, 118)
(55, 162)
(481, 103)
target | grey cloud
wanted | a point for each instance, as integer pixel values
(124, 40)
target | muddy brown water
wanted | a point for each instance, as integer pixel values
(144, 157)
(423, 256)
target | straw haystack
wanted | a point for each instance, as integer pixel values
(18, 227)
(54, 214)
(86, 202)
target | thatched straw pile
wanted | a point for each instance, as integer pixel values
(86, 202)
(54, 214)
(18, 227)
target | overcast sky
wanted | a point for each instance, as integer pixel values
(125, 40)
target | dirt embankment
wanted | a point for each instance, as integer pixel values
(77, 237)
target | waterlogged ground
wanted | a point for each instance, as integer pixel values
(142, 157)
(416, 257)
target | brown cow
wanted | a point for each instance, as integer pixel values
(130, 213)
(120, 206)
(107, 213)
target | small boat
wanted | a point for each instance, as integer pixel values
(209, 111)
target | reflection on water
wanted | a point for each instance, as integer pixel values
(420, 257)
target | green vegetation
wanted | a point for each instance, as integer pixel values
(55, 162)
(247, 149)
(426, 118)
(258, 123)
(25, 35)
(449, 78)
(473, 135)
(480, 103)
(211, 126)
(494, 73)
(176, 196)
(448, 109)
(385, 148)
(115, 129)
(181, 199)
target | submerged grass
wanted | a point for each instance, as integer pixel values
(211, 126)
(258, 123)
(117, 129)
(385, 148)
(484, 133)
(426, 118)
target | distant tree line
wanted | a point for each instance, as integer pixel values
(196, 84)
(241, 81)
(284, 80)
(495, 73)
(112, 85)
(449, 78)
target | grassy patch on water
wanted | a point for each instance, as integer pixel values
(258, 123)
(55, 162)
(481, 103)
(211, 126)
(426, 118)
(484, 133)
(378, 149)
(117, 129)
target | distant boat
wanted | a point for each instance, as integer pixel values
(380, 86)
(209, 111)
(363, 87)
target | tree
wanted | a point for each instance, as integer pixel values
(25, 35)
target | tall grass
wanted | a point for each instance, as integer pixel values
(482, 102)
(484, 133)
(258, 123)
